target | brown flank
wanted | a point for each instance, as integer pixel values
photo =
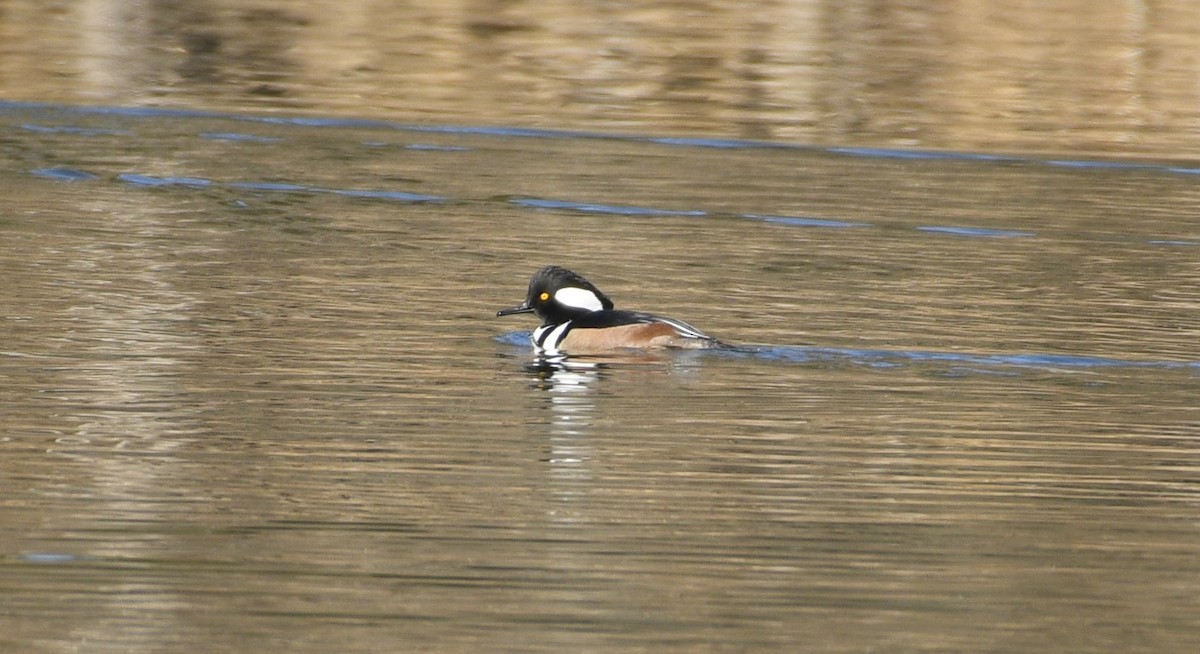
(641, 335)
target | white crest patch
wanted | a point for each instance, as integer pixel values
(579, 298)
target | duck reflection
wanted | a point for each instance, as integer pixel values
(584, 403)
(571, 383)
(570, 387)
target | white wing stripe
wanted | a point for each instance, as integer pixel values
(683, 328)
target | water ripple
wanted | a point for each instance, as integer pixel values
(873, 357)
(64, 174)
(524, 132)
(69, 174)
(72, 129)
(236, 136)
(796, 221)
(975, 231)
(139, 179)
(880, 358)
(588, 207)
(933, 155)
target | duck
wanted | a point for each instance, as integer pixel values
(579, 319)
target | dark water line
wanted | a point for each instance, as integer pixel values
(535, 133)
(67, 174)
(138, 179)
(975, 231)
(64, 174)
(618, 210)
(879, 358)
(791, 221)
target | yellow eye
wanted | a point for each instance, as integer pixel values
(544, 296)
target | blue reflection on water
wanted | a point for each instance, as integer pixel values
(73, 130)
(50, 557)
(47, 113)
(138, 179)
(958, 363)
(1174, 242)
(525, 132)
(63, 174)
(237, 136)
(796, 221)
(621, 210)
(886, 358)
(975, 231)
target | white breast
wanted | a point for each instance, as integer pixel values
(547, 337)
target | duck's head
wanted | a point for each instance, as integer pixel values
(557, 295)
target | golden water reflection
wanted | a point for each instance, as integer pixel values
(993, 75)
(253, 394)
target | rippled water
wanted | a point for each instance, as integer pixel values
(254, 393)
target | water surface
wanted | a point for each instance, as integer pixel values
(255, 394)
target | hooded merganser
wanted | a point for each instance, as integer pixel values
(578, 319)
